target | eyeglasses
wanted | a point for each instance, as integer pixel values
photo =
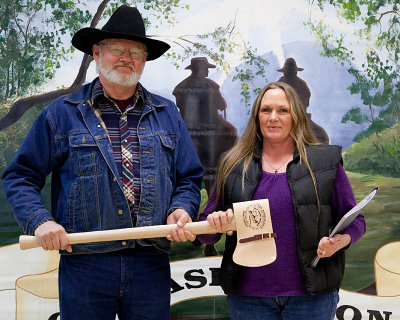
(117, 51)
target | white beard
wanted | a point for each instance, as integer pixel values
(112, 75)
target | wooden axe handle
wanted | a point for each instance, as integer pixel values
(203, 227)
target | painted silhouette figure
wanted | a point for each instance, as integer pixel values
(200, 100)
(290, 77)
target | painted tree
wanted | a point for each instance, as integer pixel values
(33, 42)
(24, 64)
(223, 46)
(377, 80)
(32, 38)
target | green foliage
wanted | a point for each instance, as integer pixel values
(31, 44)
(355, 115)
(368, 86)
(376, 154)
(33, 33)
(377, 24)
(331, 47)
(375, 128)
(12, 137)
(155, 12)
(246, 74)
(226, 48)
(33, 37)
(201, 308)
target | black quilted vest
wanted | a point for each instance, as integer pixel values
(311, 225)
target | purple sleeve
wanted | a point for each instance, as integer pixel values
(342, 201)
(210, 238)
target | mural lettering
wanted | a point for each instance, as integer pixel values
(197, 276)
(373, 314)
(54, 316)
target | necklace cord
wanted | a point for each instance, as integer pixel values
(276, 169)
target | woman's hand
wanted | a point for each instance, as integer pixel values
(327, 247)
(220, 219)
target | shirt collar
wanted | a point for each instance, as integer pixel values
(98, 93)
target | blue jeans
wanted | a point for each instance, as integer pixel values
(133, 284)
(310, 307)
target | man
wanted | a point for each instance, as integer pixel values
(120, 157)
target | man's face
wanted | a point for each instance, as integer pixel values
(120, 61)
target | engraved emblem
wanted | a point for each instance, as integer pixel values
(254, 216)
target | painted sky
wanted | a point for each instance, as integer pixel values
(265, 24)
(277, 30)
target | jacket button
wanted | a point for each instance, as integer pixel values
(123, 243)
(115, 179)
(120, 212)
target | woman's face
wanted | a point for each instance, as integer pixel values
(275, 116)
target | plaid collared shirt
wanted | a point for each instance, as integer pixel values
(109, 115)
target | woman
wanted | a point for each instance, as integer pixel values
(278, 158)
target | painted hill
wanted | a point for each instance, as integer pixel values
(378, 154)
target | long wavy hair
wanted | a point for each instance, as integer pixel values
(244, 149)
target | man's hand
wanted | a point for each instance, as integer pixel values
(327, 247)
(52, 236)
(179, 217)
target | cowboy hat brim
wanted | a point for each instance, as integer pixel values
(284, 69)
(208, 65)
(85, 38)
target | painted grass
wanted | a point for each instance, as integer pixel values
(383, 225)
(202, 308)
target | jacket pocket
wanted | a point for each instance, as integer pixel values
(86, 156)
(83, 205)
(168, 141)
(167, 147)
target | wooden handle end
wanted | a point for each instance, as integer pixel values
(28, 242)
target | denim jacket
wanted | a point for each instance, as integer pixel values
(68, 140)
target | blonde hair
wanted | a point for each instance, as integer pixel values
(244, 149)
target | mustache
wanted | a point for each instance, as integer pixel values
(122, 64)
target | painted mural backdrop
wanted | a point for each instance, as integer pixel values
(342, 57)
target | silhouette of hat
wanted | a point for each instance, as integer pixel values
(125, 23)
(200, 61)
(290, 64)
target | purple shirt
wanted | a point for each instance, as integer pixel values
(283, 277)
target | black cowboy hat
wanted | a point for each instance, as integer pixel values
(200, 61)
(291, 64)
(125, 23)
